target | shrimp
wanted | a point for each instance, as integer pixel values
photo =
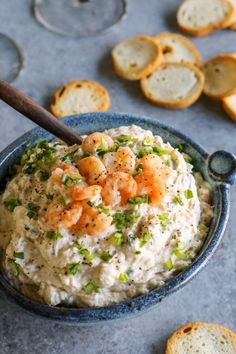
(95, 141)
(151, 179)
(118, 187)
(59, 216)
(92, 169)
(61, 169)
(153, 163)
(82, 193)
(152, 185)
(93, 222)
(122, 160)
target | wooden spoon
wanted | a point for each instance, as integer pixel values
(37, 114)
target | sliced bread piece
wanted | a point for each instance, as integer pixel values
(177, 49)
(202, 338)
(233, 25)
(136, 57)
(200, 17)
(220, 76)
(80, 97)
(173, 85)
(229, 105)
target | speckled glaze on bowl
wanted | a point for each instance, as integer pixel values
(219, 169)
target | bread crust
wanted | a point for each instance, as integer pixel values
(203, 31)
(231, 112)
(170, 346)
(186, 42)
(180, 104)
(230, 91)
(142, 72)
(72, 85)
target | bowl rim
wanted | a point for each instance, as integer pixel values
(134, 306)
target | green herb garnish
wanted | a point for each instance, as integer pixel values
(144, 151)
(44, 175)
(103, 209)
(54, 235)
(181, 254)
(118, 239)
(49, 196)
(11, 204)
(90, 287)
(74, 268)
(169, 264)
(159, 151)
(181, 147)
(32, 210)
(80, 246)
(138, 170)
(189, 194)
(124, 138)
(87, 154)
(147, 141)
(123, 277)
(105, 256)
(19, 255)
(145, 237)
(163, 220)
(139, 200)
(178, 200)
(87, 255)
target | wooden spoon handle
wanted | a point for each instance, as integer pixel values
(37, 114)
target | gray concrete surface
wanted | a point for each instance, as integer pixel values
(50, 60)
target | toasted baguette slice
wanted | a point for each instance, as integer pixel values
(233, 25)
(202, 338)
(200, 17)
(177, 49)
(79, 97)
(229, 105)
(220, 76)
(173, 85)
(136, 57)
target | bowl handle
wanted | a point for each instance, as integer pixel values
(222, 166)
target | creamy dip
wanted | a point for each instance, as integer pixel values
(144, 246)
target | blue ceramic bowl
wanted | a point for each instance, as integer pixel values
(219, 169)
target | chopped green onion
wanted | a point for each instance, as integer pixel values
(138, 170)
(124, 138)
(74, 268)
(145, 237)
(189, 194)
(49, 196)
(147, 141)
(30, 168)
(181, 254)
(144, 151)
(87, 154)
(44, 175)
(139, 200)
(169, 264)
(163, 220)
(103, 209)
(118, 239)
(119, 220)
(19, 255)
(87, 255)
(90, 287)
(43, 144)
(159, 151)
(54, 235)
(138, 252)
(11, 204)
(105, 256)
(188, 158)
(79, 245)
(64, 201)
(32, 210)
(25, 157)
(123, 277)
(68, 158)
(181, 147)
(178, 200)
(131, 218)
(66, 180)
